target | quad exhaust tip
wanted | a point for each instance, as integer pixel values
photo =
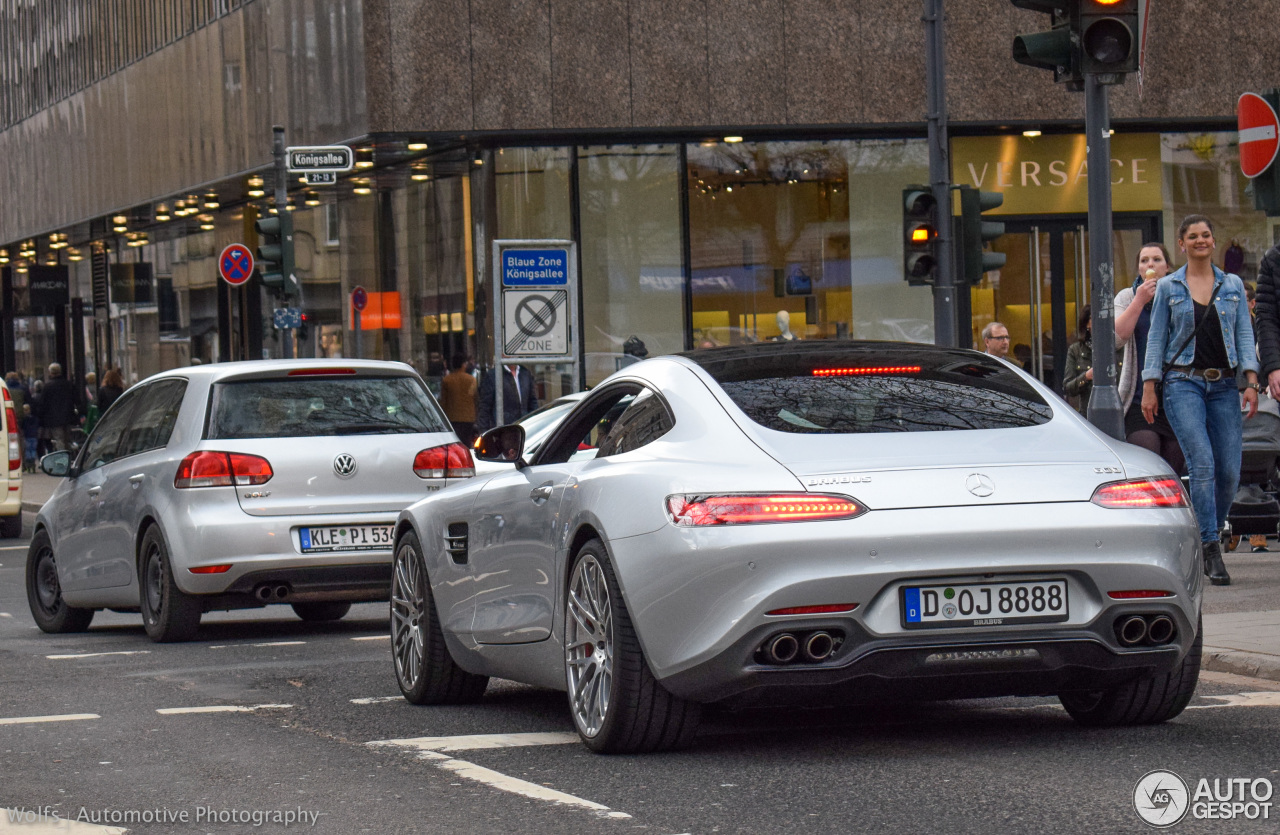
(800, 647)
(1132, 630)
(819, 646)
(783, 649)
(1151, 630)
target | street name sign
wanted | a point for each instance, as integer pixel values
(1259, 134)
(334, 158)
(535, 267)
(235, 264)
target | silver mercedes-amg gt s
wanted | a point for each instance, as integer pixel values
(814, 522)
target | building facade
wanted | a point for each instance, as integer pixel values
(716, 163)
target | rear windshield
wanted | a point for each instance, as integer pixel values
(825, 388)
(313, 406)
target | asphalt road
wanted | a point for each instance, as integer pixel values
(313, 698)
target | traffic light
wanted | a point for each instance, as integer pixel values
(919, 235)
(1057, 48)
(304, 329)
(976, 232)
(1108, 36)
(275, 253)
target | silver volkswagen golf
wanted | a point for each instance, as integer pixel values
(809, 523)
(239, 485)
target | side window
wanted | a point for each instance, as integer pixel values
(153, 417)
(103, 444)
(588, 426)
(646, 419)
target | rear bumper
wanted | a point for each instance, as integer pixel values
(868, 669)
(353, 583)
(266, 549)
(699, 598)
(11, 502)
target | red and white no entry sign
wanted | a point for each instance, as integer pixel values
(1259, 134)
(235, 264)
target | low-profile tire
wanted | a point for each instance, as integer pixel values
(11, 526)
(617, 705)
(425, 671)
(322, 611)
(44, 592)
(1144, 701)
(168, 614)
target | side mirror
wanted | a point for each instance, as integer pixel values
(502, 444)
(56, 464)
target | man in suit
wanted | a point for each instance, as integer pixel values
(518, 396)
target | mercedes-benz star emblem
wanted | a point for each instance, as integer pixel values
(980, 485)
(344, 466)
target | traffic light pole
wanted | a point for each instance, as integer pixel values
(944, 290)
(1105, 410)
(282, 204)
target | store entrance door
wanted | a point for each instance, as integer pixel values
(1044, 285)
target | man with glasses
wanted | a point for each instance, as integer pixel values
(996, 337)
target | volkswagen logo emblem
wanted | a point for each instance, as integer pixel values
(980, 485)
(344, 466)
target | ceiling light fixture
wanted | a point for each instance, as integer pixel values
(733, 139)
(1031, 134)
(417, 146)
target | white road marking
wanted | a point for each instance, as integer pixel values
(170, 711)
(373, 638)
(479, 741)
(15, 547)
(42, 822)
(497, 779)
(373, 700)
(1270, 698)
(65, 717)
(97, 654)
(5, 615)
(279, 644)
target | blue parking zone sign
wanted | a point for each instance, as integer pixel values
(287, 317)
(535, 267)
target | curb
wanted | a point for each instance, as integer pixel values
(34, 507)
(1252, 664)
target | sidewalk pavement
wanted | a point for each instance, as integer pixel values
(1241, 621)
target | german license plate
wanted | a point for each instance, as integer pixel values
(984, 604)
(345, 538)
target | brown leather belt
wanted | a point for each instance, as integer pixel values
(1209, 375)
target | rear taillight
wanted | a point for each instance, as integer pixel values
(1138, 594)
(448, 461)
(1141, 492)
(824, 609)
(15, 444)
(222, 469)
(693, 511)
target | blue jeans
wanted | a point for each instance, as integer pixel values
(1206, 418)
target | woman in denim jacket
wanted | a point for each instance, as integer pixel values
(1200, 394)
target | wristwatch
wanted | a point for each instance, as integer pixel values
(1254, 386)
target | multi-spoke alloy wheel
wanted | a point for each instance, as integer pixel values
(617, 704)
(588, 646)
(406, 616)
(425, 670)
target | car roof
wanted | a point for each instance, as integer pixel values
(215, 372)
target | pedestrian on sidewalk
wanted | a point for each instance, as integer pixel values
(995, 338)
(58, 410)
(1200, 336)
(458, 398)
(1078, 376)
(1133, 323)
(30, 438)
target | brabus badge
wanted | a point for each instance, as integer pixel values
(840, 479)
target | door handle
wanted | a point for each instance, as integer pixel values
(541, 494)
(95, 490)
(135, 480)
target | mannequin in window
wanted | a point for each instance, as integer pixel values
(784, 328)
